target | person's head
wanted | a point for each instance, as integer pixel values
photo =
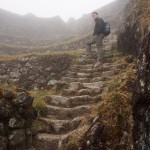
(95, 15)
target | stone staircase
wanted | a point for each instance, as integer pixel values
(66, 112)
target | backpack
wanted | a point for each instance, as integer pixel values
(106, 28)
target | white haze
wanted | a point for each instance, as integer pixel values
(50, 8)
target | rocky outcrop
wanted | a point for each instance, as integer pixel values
(35, 71)
(134, 29)
(135, 39)
(15, 119)
(141, 98)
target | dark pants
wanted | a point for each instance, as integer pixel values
(98, 40)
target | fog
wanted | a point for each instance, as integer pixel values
(49, 8)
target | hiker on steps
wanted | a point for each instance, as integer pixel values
(97, 38)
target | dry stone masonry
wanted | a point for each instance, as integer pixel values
(15, 119)
(35, 72)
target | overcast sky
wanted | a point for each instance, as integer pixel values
(49, 8)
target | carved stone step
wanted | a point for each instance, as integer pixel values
(45, 141)
(83, 75)
(70, 101)
(110, 73)
(94, 85)
(80, 70)
(70, 79)
(62, 126)
(78, 75)
(86, 61)
(83, 66)
(97, 79)
(68, 113)
(74, 86)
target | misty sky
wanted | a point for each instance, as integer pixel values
(49, 8)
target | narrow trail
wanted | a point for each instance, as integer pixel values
(85, 83)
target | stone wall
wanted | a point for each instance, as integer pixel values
(135, 38)
(15, 119)
(35, 72)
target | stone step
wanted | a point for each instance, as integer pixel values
(94, 85)
(82, 66)
(45, 141)
(75, 70)
(68, 92)
(108, 55)
(69, 102)
(70, 79)
(68, 113)
(83, 75)
(85, 92)
(74, 86)
(97, 74)
(112, 68)
(78, 75)
(81, 92)
(110, 73)
(97, 79)
(86, 61)
(61, 126)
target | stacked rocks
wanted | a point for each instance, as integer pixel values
(15, 119)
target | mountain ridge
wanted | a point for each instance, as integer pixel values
(52, 29)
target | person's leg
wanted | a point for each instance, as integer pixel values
(88, 46)
(99, 44)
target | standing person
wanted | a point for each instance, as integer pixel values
(97, 38)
